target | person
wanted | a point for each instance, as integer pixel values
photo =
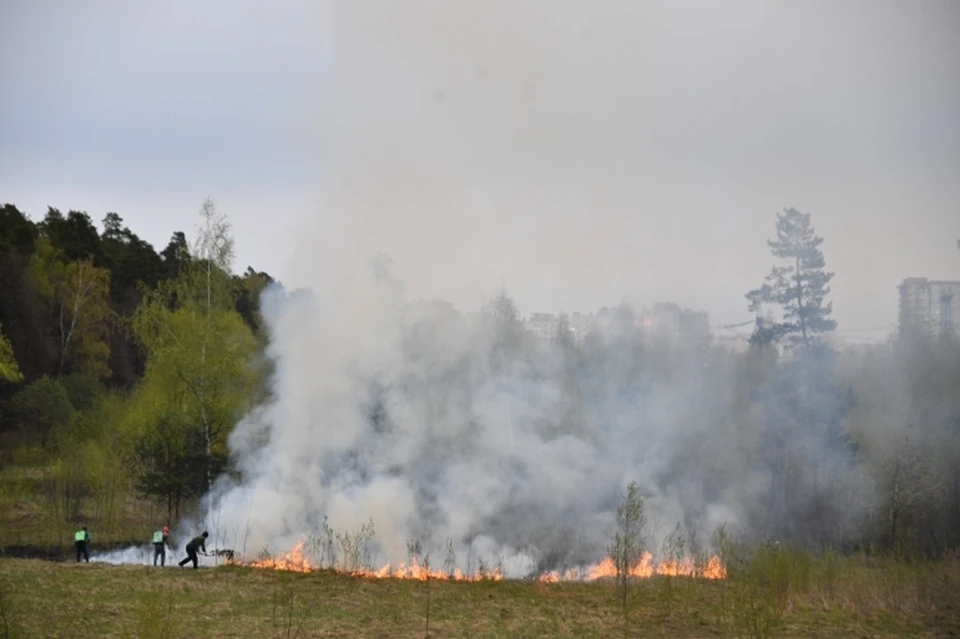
(160, 539)
(81, 539)
(195, 543)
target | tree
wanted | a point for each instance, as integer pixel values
(75, 235)
(82, 292)
(799, 286)
(175, 255)
(504, 319)
(9, 371)
(40, 409)
(628, 540)
(247, 291)
(16, 231)
(198, 346)
(163, 454)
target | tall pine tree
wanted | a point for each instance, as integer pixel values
(799, 286)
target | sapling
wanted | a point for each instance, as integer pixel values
(450, 560)
(627, 546)
(426, 568)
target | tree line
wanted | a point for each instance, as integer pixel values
(123, 366)
(124, 369)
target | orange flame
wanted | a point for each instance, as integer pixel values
(296, 561)
(645, 568)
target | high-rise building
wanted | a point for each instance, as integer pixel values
(677, 325)
(929, 307)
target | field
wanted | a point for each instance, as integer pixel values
(773, 594)
(768, 592)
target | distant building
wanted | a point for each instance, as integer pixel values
(541, 325)
(668, 321)
(929, 307)
(676, 325)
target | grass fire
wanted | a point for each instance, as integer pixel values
(299, 560)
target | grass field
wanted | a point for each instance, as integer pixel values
(768, 592)
(34, 512)
(770, 596)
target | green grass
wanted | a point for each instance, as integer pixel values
(773, 594)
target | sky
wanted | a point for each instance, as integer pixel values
(578, 153)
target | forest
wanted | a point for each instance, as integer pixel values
(125, 370)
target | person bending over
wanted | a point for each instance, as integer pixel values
(195, 543)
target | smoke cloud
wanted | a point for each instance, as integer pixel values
(439, 426)
(472, 142)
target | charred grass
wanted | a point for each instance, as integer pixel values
(767, 595)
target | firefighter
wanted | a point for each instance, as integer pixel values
(195, 543)
(81, 539)
(160, 539)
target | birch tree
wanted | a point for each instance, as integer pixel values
(198, 345)
(80, 294)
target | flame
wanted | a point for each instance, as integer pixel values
(294, 561)
(645, 568)
(297, 561)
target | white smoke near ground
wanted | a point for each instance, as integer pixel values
(473, 141)
(441, 427)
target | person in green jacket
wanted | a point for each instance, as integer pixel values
(195, 543)
(160, 539)
(81, 539)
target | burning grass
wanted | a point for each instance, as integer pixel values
(767, 593)
(298, 560)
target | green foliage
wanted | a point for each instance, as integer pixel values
(799, 286)
(40, 409)
(199, 348)
(9, 371)
(165, 457)
(79, 292)
(628, 542)
(82, 390)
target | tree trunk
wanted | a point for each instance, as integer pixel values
(800, 308)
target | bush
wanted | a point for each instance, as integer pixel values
(39, 410)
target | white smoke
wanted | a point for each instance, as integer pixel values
(441, 427)
(143, 556)
(471, 141)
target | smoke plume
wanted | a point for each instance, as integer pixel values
(471, 142)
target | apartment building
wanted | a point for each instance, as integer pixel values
(929, 307)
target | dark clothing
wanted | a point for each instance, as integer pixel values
(196, 543)
(159, 550)
(191, 556)
(81, 540)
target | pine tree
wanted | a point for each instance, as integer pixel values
(799, 286)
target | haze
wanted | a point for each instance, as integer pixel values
(579, 153)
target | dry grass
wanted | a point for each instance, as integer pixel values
(28, 516)
(856, 599)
